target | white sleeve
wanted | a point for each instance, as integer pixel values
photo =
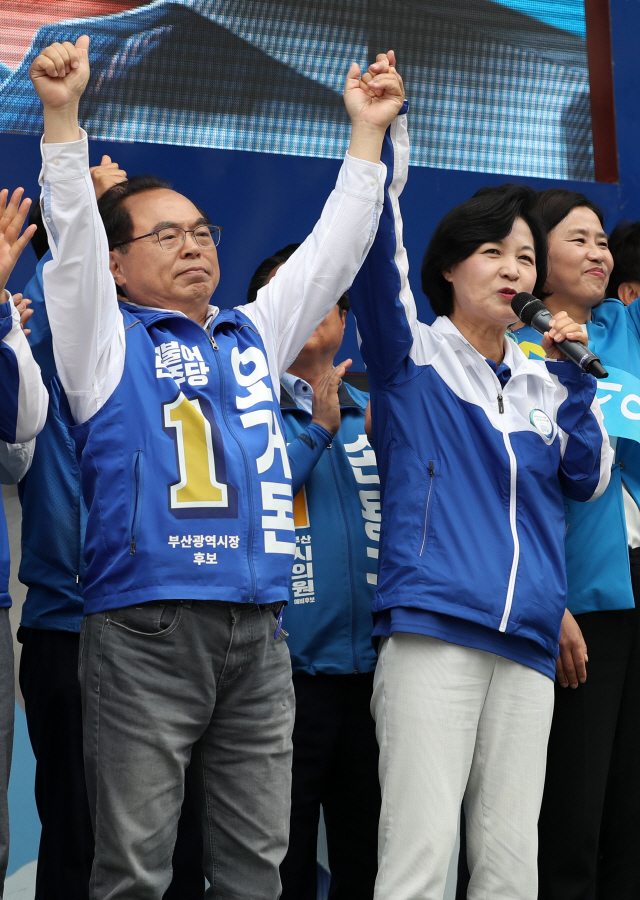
(80, 293)
(290, 307)
(23, 396)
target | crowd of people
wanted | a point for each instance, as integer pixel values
(471, 500)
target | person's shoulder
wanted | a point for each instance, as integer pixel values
(529, 342)
(361, 398)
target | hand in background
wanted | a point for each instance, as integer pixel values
(106, 175)
(12, 218)
(571, 668)
(326, 408)
(22, 305)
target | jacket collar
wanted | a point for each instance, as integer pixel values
(344, 399)
(514, 358)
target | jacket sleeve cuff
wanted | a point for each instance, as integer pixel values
(62, 162)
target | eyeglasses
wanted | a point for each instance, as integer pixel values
(173, 238)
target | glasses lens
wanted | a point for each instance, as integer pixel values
(207, 235)
(170, 238)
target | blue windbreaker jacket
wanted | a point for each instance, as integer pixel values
(53, 511)
(598, 573)
(337, 527)
(472, 474)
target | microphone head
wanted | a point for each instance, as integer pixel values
(525, 306)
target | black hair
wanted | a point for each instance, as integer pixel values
(116, 218)
(487, 217)
(624, 243)
(261, 274)
(554, 205)
(40, 241)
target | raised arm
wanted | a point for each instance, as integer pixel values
(305, 288)
(381, 296)
(86, 324)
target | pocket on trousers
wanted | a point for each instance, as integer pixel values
(154, 619)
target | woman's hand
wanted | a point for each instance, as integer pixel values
(571, 668)
(561, 327)
(372, 103)
(326, 408)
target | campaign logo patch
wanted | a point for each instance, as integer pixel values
(541, 421)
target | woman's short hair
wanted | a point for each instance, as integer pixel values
(554, 205)
(487, 217)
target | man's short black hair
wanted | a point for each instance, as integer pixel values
(261, 275)
(624, 243)
(116, 218)
(487, 217)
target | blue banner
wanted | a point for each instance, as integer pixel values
(619, 397)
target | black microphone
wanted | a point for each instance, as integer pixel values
(534, 313)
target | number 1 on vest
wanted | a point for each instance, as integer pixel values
(197, 486)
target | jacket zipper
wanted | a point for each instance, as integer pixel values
(426, 512)
(354, 614)
(252, 570)
(137, 496)
(513, 472)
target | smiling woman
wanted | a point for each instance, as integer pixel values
(602, 548)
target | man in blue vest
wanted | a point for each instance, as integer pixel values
(190, 531)
(52, 567)
(337, 519)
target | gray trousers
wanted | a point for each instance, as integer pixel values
(7, 712)
(172, 681)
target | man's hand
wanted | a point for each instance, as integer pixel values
(372, 103)
(561, 327)
(22, 305)
(326, 408)
(106, 175)
(571, 666)
(60, 75)
(12, 217)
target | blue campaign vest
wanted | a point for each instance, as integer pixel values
(185, 471)
(597, 558)
(337, 520)
(53, 513)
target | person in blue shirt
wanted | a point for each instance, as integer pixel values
(594, 746)
(23, 410)
(337, 522)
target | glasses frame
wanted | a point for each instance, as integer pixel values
(185, 232)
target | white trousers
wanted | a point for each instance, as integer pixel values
(453, 723)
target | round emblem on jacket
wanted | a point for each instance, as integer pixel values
(541, 421)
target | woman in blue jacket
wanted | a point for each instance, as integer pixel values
(475, 447)
(593, 766)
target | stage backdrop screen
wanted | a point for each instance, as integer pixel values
(493, 86)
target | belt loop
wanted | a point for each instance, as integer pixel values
(186, 603)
